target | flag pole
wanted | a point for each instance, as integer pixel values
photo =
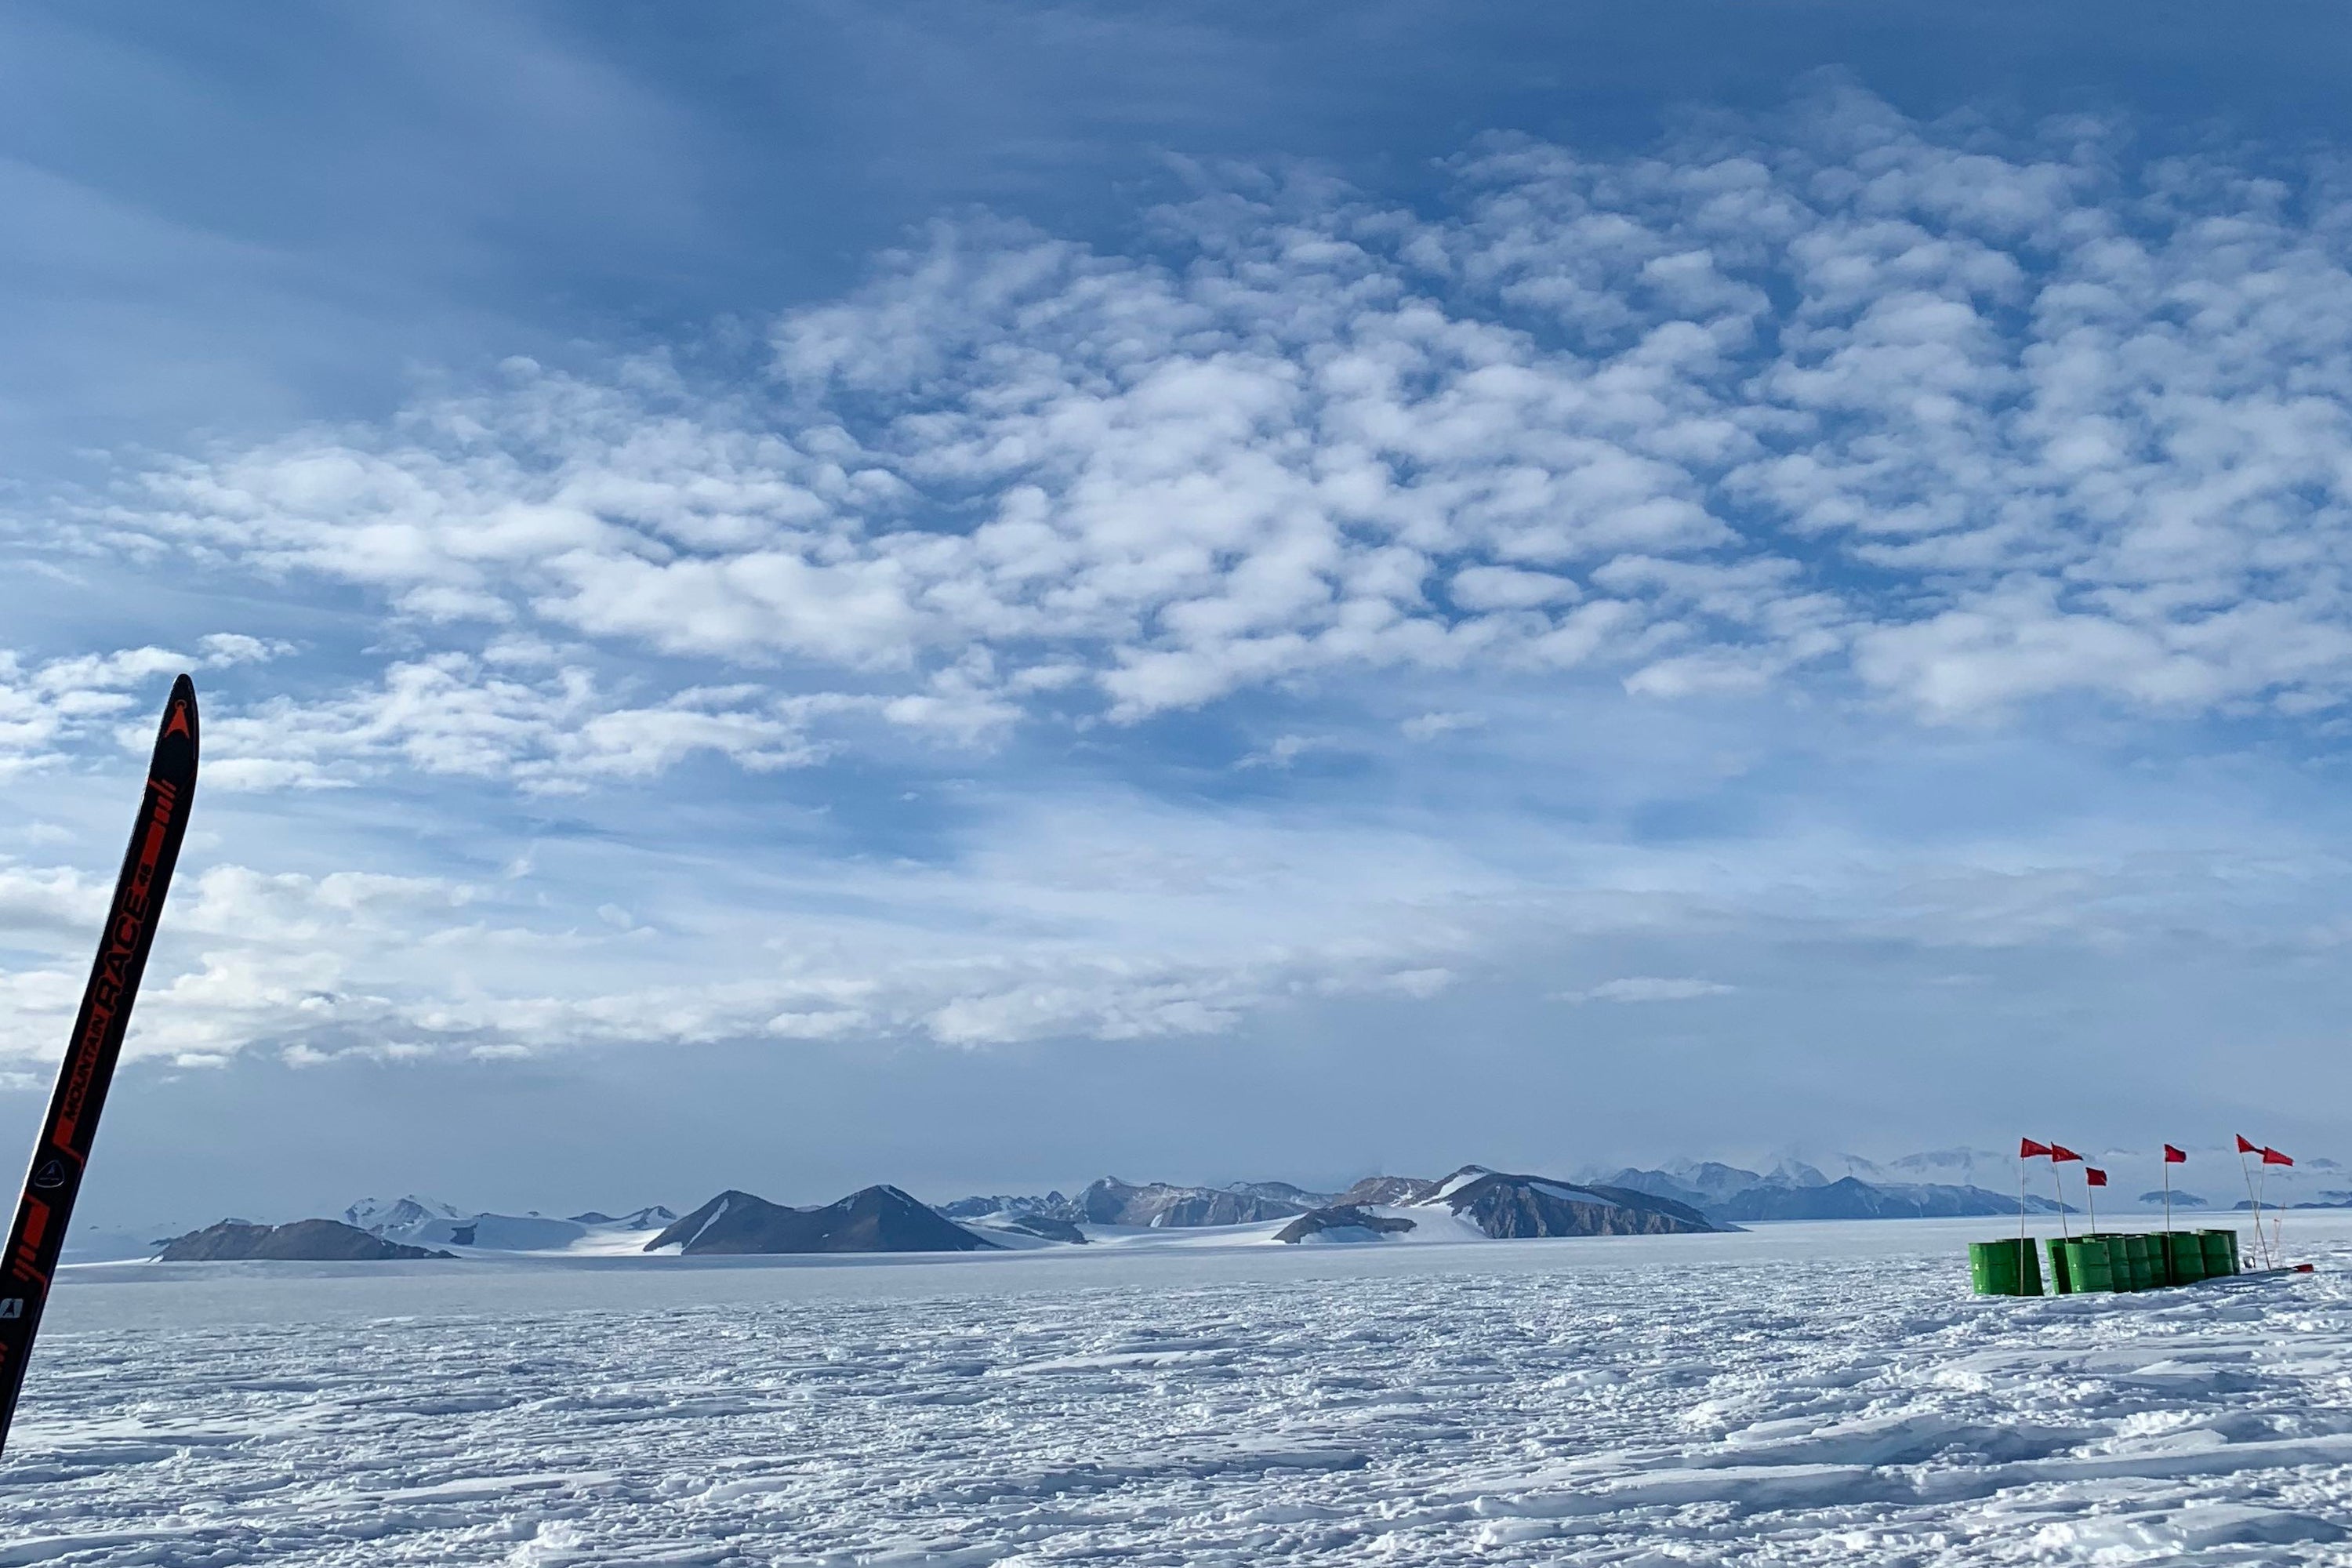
(2262, 1191)
(2254, 1203)
(2021, 1203)
(2091, 1199)
(2167, 1163)
(2059, 1188)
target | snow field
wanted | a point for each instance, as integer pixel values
(1813, 1396)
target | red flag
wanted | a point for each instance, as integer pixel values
(2246, 1148)
(2094, 1175)
(2027, 1149)
(2173, 1156)
(2060, 1152)
(2273, 1157)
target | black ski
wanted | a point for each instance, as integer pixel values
(54, 1179)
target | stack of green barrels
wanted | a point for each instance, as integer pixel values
(2103, 1262)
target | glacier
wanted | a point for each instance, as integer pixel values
(1810, 1393)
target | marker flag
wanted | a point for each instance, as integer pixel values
(2060, 1152)
(2094, 1175)
(2173, 1156)
(2027, 1149)
(2246, 1148)
(2273, 1157)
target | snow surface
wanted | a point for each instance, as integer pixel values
(1797, 1393)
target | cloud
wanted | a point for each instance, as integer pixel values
(47, 707)
(1429, 726)
(1824, 413)
(1646, 988)
(1976, 424)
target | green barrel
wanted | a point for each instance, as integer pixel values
(2221, 1248)
(2009, 1267)
(2086, 1265)
(2184, 1257)
(2062, 1281)
(2118, 1261)
(2140, 1260)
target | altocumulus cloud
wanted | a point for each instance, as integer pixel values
(1934, 423)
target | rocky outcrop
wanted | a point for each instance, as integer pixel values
(1512, 1206)
(304, 1241)
(1053, 1205)
(876, 1220)
(1389, 1190)
(1113, 1202)
(1283, 1193)
(1342, 1221)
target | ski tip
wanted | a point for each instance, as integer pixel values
(180, 714)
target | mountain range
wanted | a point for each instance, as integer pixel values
(1472, 1203)
(1793, 1190)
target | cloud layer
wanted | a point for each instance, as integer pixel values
(1961, 420)
(1918, 430)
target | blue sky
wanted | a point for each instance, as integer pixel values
(860, 593)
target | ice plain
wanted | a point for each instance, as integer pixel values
(1800, 1394)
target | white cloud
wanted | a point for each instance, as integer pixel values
(1429, 726)
(1984, 423)
(1646, 988)
(1830, 407)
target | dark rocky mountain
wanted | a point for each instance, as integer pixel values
(376, 1215)
(1113, 1202)
(876, 1220)
(1053, 1205)
(2155, 1197)
(1387, 1190)
(1849, 1197)
(1698, 1186)
(304, 1241)
(1343, 1217)
(1282, 1193)
(645, 1218)
(1506, 1206)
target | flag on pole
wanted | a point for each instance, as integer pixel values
(2254, 1199)
(2027, 1149)
(2094, 1175)
(2059, 1153)
(2173, 1156)
(2278, 1214)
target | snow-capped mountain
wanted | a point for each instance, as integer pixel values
(1110, 1201)
(377, 1215)
(1051, 1206)
(416, 1221)
(1797, 1191)
(1474, 1201)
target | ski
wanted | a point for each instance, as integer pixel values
(54, 1179)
